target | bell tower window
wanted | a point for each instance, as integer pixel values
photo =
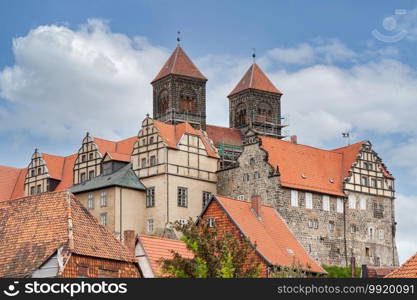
(163, 102)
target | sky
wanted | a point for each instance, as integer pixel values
(68, 67)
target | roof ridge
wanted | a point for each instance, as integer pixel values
(70, 223)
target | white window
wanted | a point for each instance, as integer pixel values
(362, 203)
(182, 195)
(352, 201)
(294, 198)
(149, 225)
(103, 219)
(339, 205)
(370, 232)
(103, 198)
(241, 197)
(331, 226)
(211, 222)
(206, 198)
(326, 203)
(381, 234)
(90, 203)
(309, 200)
(150, 197)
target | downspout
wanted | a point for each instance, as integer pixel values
(344, 230)
(167, 184)
(120, 216)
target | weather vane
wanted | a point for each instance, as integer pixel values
(254, 55)
(346, 135)
(178, 37)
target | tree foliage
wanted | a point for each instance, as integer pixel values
(341, 272)
(217, 254)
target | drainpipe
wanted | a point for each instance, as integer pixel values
(121, 210)
(344, 229)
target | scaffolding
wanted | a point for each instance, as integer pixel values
(228, 154)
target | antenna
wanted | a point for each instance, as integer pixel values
(346, 135)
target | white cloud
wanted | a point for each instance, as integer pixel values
(406, 206)
(65, 82)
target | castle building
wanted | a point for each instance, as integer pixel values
(338, 203)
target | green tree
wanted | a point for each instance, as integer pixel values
(217, 254)
(341, 272)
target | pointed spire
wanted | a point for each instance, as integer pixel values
(255, 79)
(179, 64)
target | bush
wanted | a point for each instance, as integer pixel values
(341, 272)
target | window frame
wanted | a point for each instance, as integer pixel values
(90, 201)
(103, 216)
(309, 200)
(294, 198)
(103, 199)
(325, 199)
(150, 197)
(182, 196)
(150, 225)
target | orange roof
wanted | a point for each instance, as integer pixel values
(124, 146)
(54, 163)
(171, 134)
(350, 154)
(118, 156)
(156, 248)
(406, 270)
(33, 228)
(8, 179)
(305, 167)
(179, 64)
(226, 135)
(67, 173)
(274, 240)
(19, 189)
(255, 79)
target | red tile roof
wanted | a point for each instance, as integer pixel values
(124, 146)
(179, 64)
(171, 134)
(379, 272)
(55, 164)
(8, 179)
(350, 154)
(118, 156)
(255, 79)
(156, 248)
(229, 136)
(33, 228)
(274, 240)
(305, 167)
(19, 190)
(406, 270)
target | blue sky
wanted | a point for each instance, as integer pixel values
(335, 74)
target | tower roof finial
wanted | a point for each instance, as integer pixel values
(254, 55)
(178, 38)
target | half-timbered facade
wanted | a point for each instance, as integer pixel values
(177, 164)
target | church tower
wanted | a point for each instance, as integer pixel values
(179, 92)
(255, 103)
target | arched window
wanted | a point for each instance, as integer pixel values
(188, 102)
(163, 101)
(240, 116)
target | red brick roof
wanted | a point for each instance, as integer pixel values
(379, 272)
(33, 228)
(179, 64)
(171, 134)
(229, 136)
(406, 270)
(255, 79)
(8, 179)
(274, 240)
(156, 248)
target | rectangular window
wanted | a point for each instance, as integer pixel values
(381, 234)
(32, 173)
(206, 198)
(91, 156)
(182, 197)
(143, 162)
(365, 180)
(32, 190)
(241, 197)
(39, 171)
(149, 226)
(310, 223)
(150, 197)
(91, 174)
(39, 189)
(103, 198)
(326, 203)
(367, 252)
(352, 228)
(103, 219)
(294, 198)
(151, 140)
(339, 205)
(82, 178)
(90, 202)
(309, 200)
(83, 158)
(211, 222)
(153, 160)
(352, 201)
(331, 226)
(373, 182)
(362, 203)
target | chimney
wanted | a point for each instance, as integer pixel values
(256, 203)
(129, 240)
(294, 139)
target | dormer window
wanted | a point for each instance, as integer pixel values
(91, 156)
